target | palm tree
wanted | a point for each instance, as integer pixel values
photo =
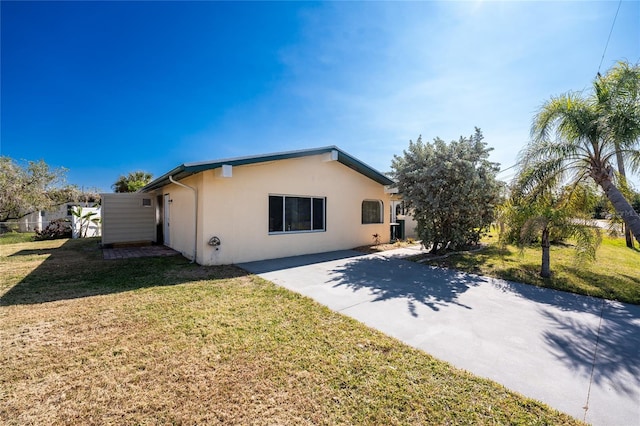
(132, 182)
(617, 97)
(582, 149)
(544, 215)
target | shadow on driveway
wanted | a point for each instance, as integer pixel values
(571, 341)
(393, 279)
(577, 353)
(582, 329)
(271, 265)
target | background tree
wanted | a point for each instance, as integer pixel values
(132, 182)
(451, 189)
(28, 188)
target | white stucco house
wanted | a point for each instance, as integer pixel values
(257, 207)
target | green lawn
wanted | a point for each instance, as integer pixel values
(16, 237)
(163, 341)
(614, 275)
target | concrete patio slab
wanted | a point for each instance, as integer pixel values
(133, 252)
(578, 354)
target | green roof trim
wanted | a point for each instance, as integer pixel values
(188, 169)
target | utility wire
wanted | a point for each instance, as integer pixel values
(609, 38)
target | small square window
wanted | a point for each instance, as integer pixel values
(146, 202)
(372, 211)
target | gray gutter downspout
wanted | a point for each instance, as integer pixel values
(195, 215)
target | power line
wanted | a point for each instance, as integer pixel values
(508, 168)
(609, 38)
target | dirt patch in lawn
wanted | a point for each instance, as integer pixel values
(376, 248)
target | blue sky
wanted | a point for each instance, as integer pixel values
(105, 88)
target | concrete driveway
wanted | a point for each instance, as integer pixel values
(580, 355)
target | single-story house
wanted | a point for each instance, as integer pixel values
(257, 207)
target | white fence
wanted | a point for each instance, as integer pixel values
(89, 223)
(85, 222)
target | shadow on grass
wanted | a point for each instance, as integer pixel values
(32, 252)
(392, 279)
(76, 269)
(471, 261)
(572, 277)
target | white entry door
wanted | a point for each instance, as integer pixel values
(166, 230)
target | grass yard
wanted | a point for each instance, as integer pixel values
(614, 275)
(163, 341)
(16, 237)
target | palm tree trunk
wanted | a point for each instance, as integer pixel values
(623, 175)
(545, 269)
(620, 204)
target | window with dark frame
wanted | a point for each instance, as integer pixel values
(372, 212)
(296, 214)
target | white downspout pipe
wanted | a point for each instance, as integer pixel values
(195, 215)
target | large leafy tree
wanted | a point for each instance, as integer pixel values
(451, 189)
(572, 142)
(25, 188)
(132, 182)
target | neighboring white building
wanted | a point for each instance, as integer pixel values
(254, 208)
(41, 218)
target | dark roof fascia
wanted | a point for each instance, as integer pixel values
(188, 169)
(363, 168)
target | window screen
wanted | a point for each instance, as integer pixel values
(296, 214)
(372, 211)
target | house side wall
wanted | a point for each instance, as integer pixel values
(181, 215)
(236, 209)
(126, 220)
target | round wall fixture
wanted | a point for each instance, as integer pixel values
(214, 241)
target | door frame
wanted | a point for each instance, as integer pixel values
(166, 224)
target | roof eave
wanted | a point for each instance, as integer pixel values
(188, 169)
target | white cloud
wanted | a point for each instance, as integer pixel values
(370, 76)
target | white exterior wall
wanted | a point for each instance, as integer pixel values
(87, 227)
(236, 210)
(410, 226)
(126, 220)
(32, 221)
(40, 219)
(181, 215)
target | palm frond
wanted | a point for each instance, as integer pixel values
(538, 178)
(588, 240)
